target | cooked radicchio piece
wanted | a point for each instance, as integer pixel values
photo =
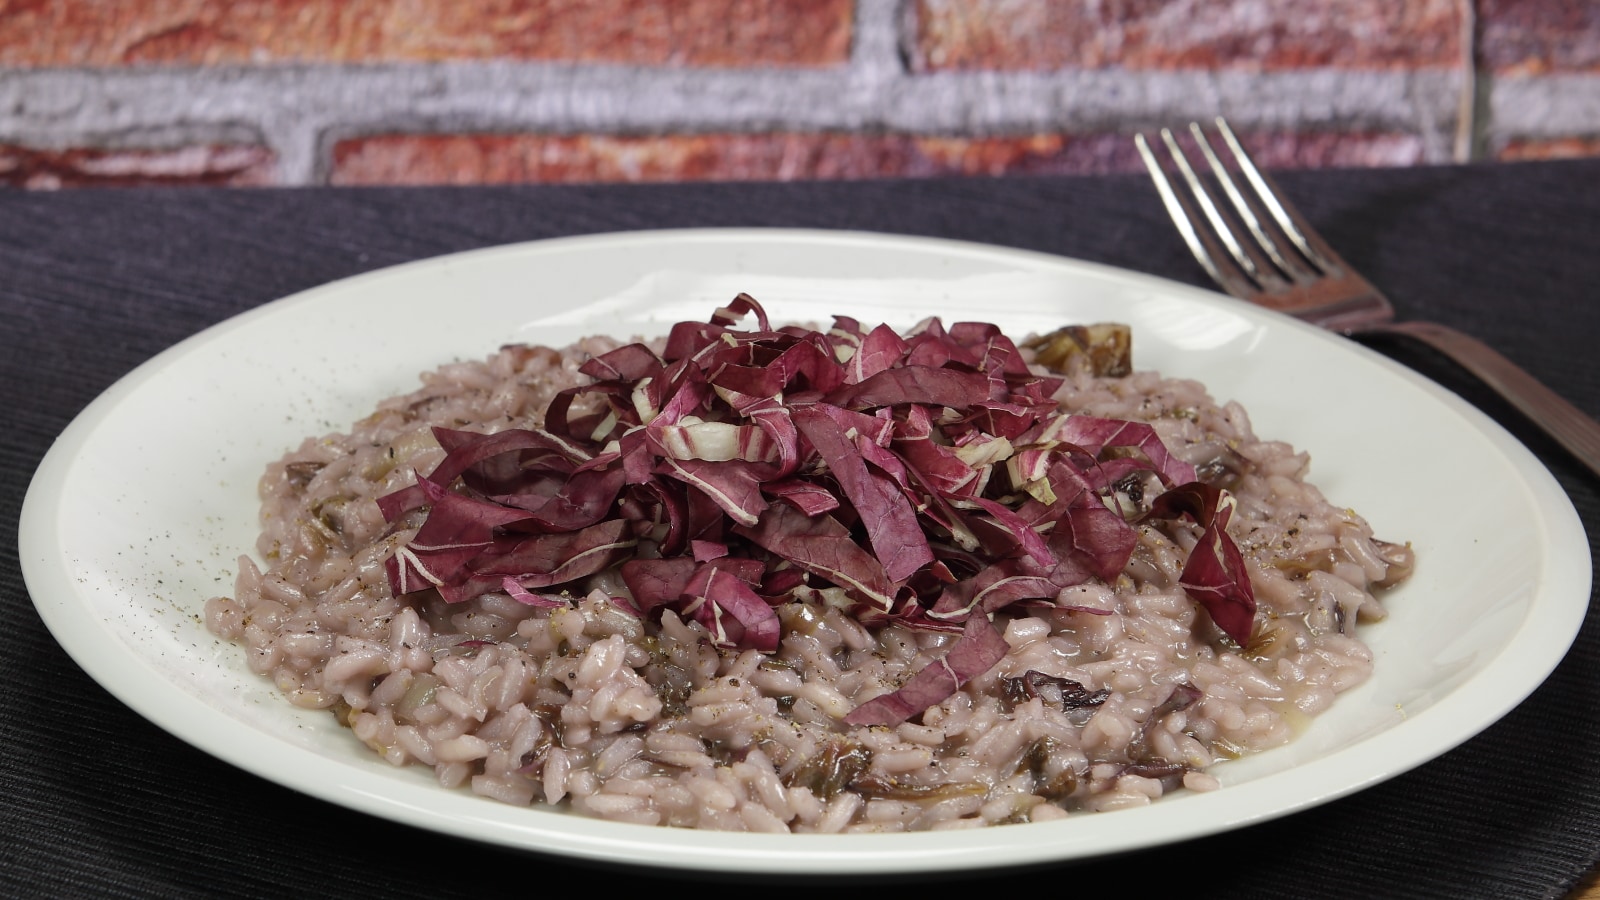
(928, 479)
(1062, 693)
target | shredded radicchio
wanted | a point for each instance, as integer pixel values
(927, 480)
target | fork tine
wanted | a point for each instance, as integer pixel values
(1286, 263)
(1202, 244)
(1305, 238)
(1253, 266)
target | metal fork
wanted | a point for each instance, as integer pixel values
(1284, 265)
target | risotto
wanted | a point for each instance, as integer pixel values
(809, 581)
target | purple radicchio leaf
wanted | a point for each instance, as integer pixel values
(1096, 435)
(823, 547)
(735, 614)
(979, 648)
(738, 308)
(912, 384)
(735, 487)
(878, 351)
(517, 592)
(807, 496)
(891, 523)
(457, 531)
(1215, 575)
(545, 560)
(742, 469)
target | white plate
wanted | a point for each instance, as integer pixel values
(140, 510)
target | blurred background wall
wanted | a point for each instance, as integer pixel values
(346, 92)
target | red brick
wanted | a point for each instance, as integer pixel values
(1535, 37)
(1557, 148)
(230, 165)
(1182, 34)
(688, 33)
(528, 158)
(472, 159)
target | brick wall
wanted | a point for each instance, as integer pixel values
(297, 92)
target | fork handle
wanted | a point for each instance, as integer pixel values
(1574, 430)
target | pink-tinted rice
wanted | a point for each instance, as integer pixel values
(590, 708)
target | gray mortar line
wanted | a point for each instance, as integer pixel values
(875, 40)
(1545, 106)
(301, 112)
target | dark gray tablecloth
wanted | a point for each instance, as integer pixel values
(96, 801)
